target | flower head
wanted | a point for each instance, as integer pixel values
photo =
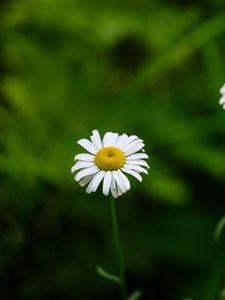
(107, 160)
(222, 99)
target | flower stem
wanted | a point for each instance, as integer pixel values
(118, 249)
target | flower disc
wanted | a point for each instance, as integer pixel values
(110, 158)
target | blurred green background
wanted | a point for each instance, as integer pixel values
(150, 68)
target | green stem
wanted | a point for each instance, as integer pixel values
(118, 249)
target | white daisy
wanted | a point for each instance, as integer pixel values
(108, 159)
(222, 99)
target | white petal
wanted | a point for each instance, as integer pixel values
(133, 173)
(135, 168)
(93, 142)
(121, 141)
(125, 179)
(224, 106)
(134, 149)
(113, 139)
(137, 156)
(86, 144)
(119, 180)
(97, 180)
(116, 139)
(82, 164)
(107, 183)
(85, 180)
(132, 145)
(129, 145)
(93, 185)
(129, 140)
(106, 139)
(85, 157)
(114, 188)
(222, 100)
(97, 139)
(86, 172)
(89, 187)
(222, 90)
(138, 162)
(119, 191)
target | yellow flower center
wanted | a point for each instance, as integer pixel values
(110, 158)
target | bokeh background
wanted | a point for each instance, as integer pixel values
(151, 68)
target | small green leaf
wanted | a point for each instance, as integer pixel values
(107, 275)
(219, 228)
(135, 295)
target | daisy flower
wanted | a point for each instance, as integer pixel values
(108, 160)
(222, 99)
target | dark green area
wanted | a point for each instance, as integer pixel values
(149, 68)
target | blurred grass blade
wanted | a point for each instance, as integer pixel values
(219, 228)
(107, 275)
(135, 295)
(199, 37)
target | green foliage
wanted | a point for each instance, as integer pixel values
(150, 68)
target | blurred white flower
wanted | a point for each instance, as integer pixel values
(108, 159)
(222, 99)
